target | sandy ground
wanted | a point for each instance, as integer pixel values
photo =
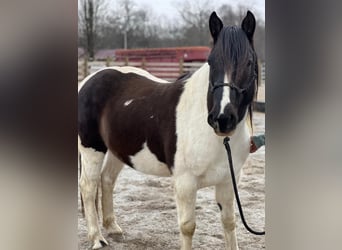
(146, 210)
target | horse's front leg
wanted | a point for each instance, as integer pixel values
(225, 201)
(185, 193)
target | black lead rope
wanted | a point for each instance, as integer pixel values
(229, 153)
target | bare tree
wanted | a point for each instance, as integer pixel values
(131, 23)
(89, 16)
(124, 16)
(234, 16)
(195, 16)
(229, 16)
(132, 26)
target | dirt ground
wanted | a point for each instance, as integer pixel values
(146, 211)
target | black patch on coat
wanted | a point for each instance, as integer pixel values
(106, 122)
(92, 99)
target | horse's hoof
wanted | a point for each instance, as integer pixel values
(114, 230)
(100, 243)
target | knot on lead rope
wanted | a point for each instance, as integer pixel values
(226, 141)
(231, 167)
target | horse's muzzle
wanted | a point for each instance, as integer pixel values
(224, 124)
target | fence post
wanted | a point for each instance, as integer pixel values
(85, 67)
(143, 63)
(126, 61)
(107, 61)
(259, 72)
(181, 66)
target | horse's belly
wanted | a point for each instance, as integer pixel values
(146, 162)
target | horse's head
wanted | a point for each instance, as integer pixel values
(233, 73)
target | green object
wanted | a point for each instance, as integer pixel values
(258, 140)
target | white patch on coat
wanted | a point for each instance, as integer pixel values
(141, 72)
(128, 102)
(200, 152)
(152, 116)
(225, 95)
(125, 70)
(146, 162)
(91, 161)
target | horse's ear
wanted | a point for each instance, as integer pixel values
(248, 25)
(215, 26)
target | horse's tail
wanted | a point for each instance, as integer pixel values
(97, 191)
(80, 170)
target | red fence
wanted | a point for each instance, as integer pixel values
(165, 70)
(176, 54)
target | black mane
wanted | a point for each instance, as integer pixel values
(232, 46)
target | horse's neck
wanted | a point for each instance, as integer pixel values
(195, 92)
(195, 138)
(193, 111)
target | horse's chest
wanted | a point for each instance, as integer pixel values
(219, 172)
(207, 160)
(197, 156)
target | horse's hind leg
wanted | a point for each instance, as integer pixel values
(186, 189)
(225, 201)
(91, 171)
(111, 169)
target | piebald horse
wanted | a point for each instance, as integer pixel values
(127, 116)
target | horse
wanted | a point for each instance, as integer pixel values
(128, 116)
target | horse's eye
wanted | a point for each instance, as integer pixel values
(249, 63)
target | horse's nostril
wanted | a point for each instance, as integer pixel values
(231, 118)
(222, 120)
(226, 121)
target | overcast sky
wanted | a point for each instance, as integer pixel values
(168, 7)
